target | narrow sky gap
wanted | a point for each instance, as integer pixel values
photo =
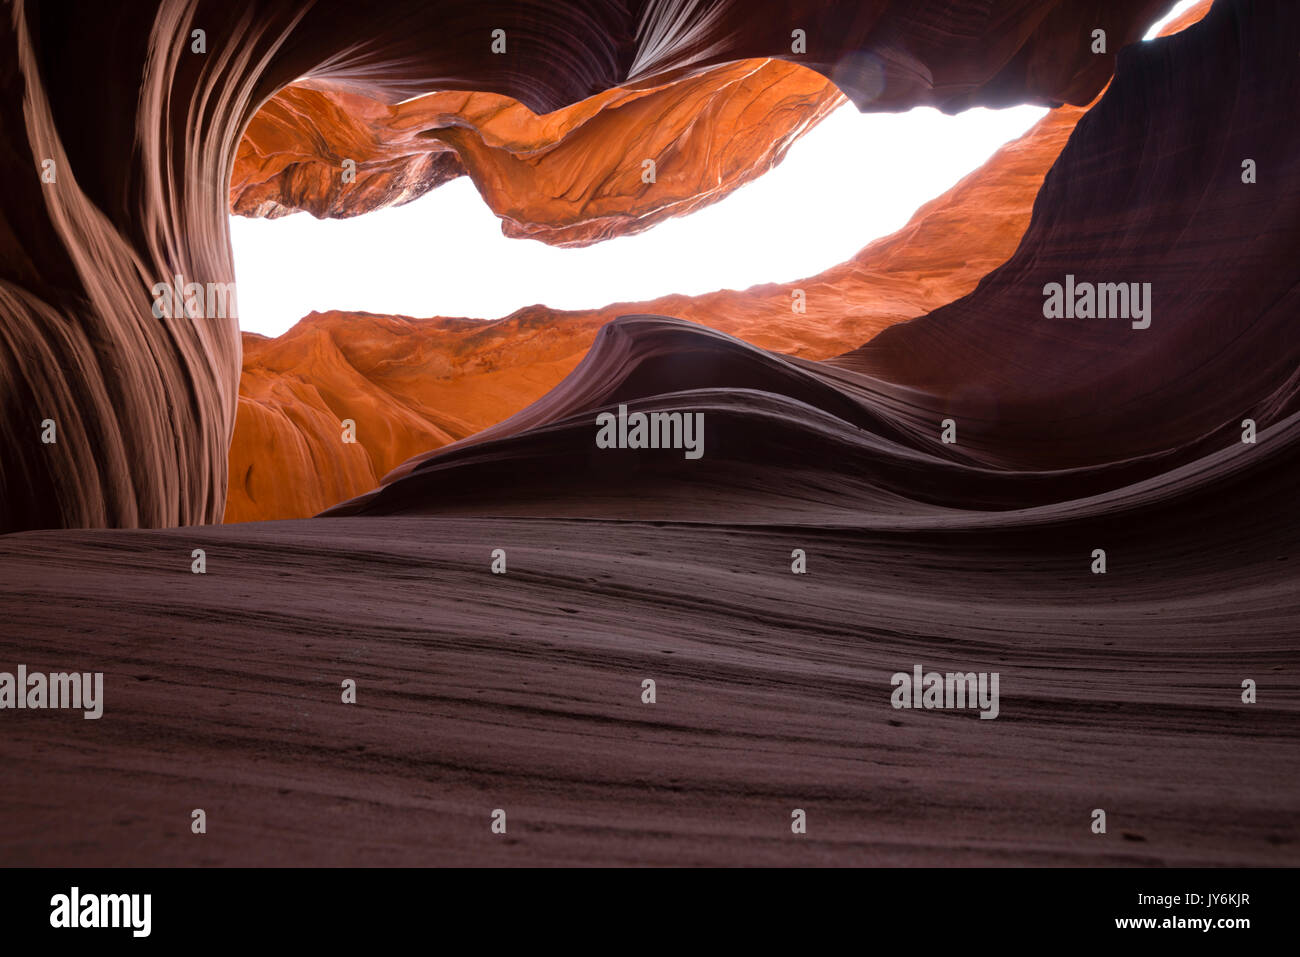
(852, 179)
(1179, 9)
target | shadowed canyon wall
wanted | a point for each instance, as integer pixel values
(143, 133)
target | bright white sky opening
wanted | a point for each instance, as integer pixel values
(852, 179)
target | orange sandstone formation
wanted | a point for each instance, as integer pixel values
(568, 178)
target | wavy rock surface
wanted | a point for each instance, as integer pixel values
(478, 691)
(143, 155)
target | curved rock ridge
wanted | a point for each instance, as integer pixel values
(1049, 412)
(144, 409)
(784, 440)
(570, 178)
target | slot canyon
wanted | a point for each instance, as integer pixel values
(921, 465)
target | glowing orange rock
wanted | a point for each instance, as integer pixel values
(568, 178)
